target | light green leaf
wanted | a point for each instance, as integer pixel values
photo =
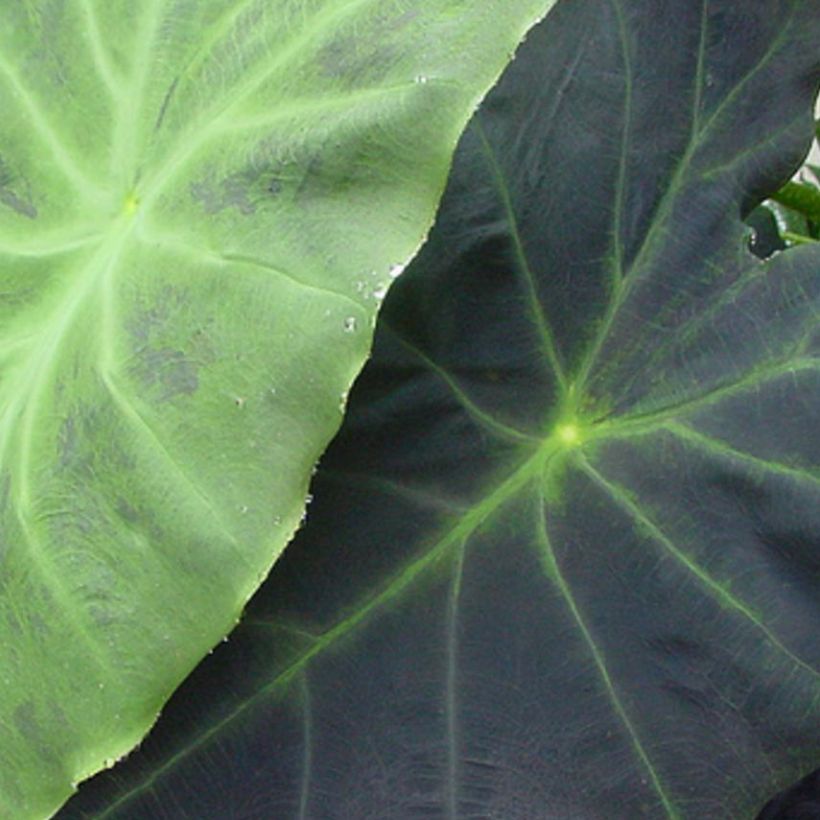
(201, 206)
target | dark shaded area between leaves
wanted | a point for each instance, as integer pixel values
(799, 802)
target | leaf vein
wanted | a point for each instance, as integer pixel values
(99, 55)
(718, 447)
(181, 247)
(664, 208)
(196, 133)
(546, 337)
(130, 412)
(620, 187)
(43, 129)
(553, 571)
(653, 418)
(719, 592)
(487, 421)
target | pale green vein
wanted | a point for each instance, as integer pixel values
(628, 278)
(655, 418)
(719, 448)
(67, 604)
(10, 347)
(484, 419)
(548, 344)
(198, 253)
(451, 688)
(24, 510)
(197, 132)
(553, 571)
(399, 583)
(776, 43)
(264, 265)
(139, 423)
(770, 139)
(107, 336)
(208, 39)
(620, 185)
(307, 747)
(60, 243)
(124, 154)
(367, 481)
(549, 111)
(329, 639)
(99, 53)
(24, 394)
(698, 133)
(325, 21)
(42, 128)
(281, 626)
(700, 68)
(721, 594)
(321, 106)
(722, 449)
(681, 336)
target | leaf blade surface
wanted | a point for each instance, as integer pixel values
(179, 182)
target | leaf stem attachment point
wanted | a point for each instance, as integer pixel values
(569, 434)
(131, 203)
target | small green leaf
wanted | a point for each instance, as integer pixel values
(800, 197)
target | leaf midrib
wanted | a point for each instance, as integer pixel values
(34, 368)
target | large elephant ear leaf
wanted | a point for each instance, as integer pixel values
(564, 557)
(201, 206)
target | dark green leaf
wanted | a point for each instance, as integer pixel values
(564, 558)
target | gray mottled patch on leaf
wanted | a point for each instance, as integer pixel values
(232, 192)
(169, 371)
(21, 204)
